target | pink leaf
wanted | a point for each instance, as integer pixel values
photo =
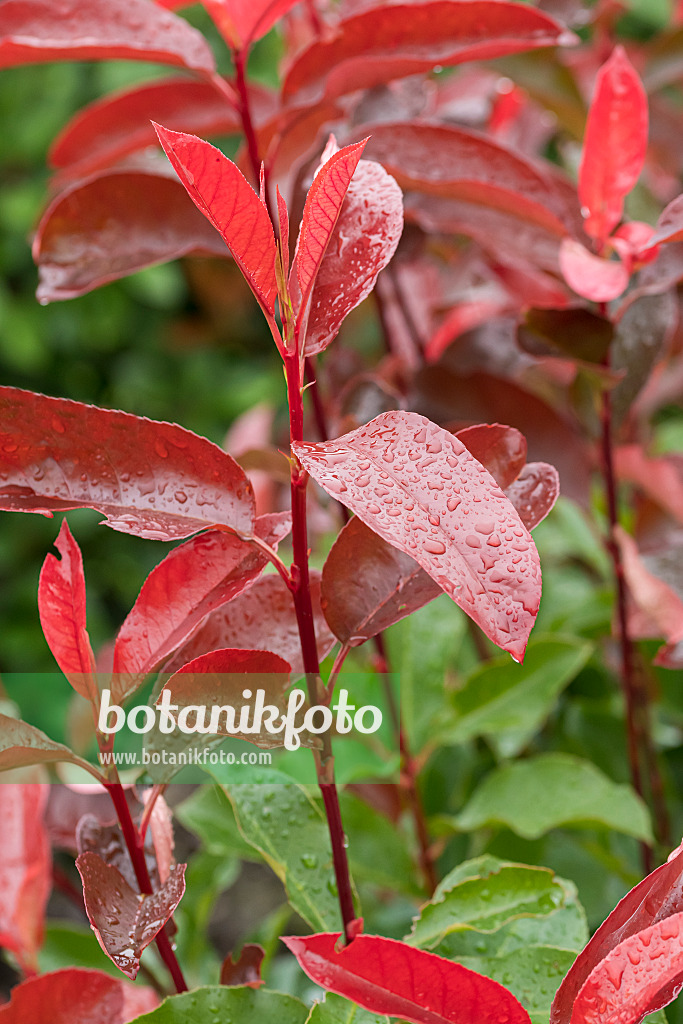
(242, 22)
(25, 870)
(226, 199)
(660, 478)
(615, 144)
(592, 276)
(534, 492)
(419, 488)
(640, 975)
(112, 225)
(388, 977)
(111, 128)
(61, 603)
(670, 224)
(383, 43)
(123, 921)
(151, 479)
(161, 831)
(262, 618)
(323, 203)
(364, 239)
(77, 996)
(33, 31)
(660, 608)
(193, 580)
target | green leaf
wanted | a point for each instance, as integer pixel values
(487, 902)
(379, 852)
(507, 702)
(551, 790)
(22, 745)
(72, 945)
(337, 1010)
(209, 815)
(287, 825)
(217, 1004)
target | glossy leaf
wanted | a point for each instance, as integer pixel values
(593, 277)
(226, 199)
(458, 164)
(34, 31)
(387, 976)
(22, 745)
(364, 239)
(383, 43)
(77, 996)
(106, 840)
(262, 618)
(501, 449)
(218, 679)
(643, 973)
(246, 970)
(61, 603)
(112, 225)
(193, 580)
(115, 126)
(151, 479)
(403, 475)
(123, 921)
(615, 144)
(242, 22)
(323, 205)
(225, 1004)
(534, 492)
(552, 790)
(288, 827)
(336, 1010)
(25, 870)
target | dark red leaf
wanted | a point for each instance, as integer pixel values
(534, 492)
(614, 146)
(228, 201)
(389, 977)
(61, 603)
(415, 485)
(112, 225)
(246, 970)
(593, 277)
(68, 804)
(151, 479)
(25, 870)
(106, 840)
(323, 204)
(221, 678)
(262, 618)
(640, 975)
(642, 333)
(458, 164)
(383, 43)
(197, 577)
(242, 22)
(113, 127)
(123, 920)
(364, 239)
(501, 449)
(462, 318)
(77, 996)
(577, 333)
(669, 227)
(34, 31)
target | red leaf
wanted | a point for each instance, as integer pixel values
(640, 975)
(593, 277)
(25, 870)
(323, 204)
(461, 318)
(61, 603)
(418, 487)
(124, 921)
(161, 832)
(457, 164)
(197, 577)
(262, 618)
(670, 224)
(394, 41)
(659, 606)
(75, 995)
(534, 492)
(660, 478)
(33, 31)
(151, 479)
(615, 144)
(112, 225)
(227, 200)
(242, 22)
(389, 977)
(364, 239)
(117, 125)
(501, 449)
(246, 970)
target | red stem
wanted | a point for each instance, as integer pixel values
(240, 59)
(137, 855)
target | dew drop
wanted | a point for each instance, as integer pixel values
(160, 449)
(57, 425)
(435, 547)
(472, 540)
(181, 497)
(452, 503)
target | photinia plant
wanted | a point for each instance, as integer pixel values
(419, 153)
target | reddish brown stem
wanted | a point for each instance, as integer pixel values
(240, 59)
(309, 649)
(135, 848)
